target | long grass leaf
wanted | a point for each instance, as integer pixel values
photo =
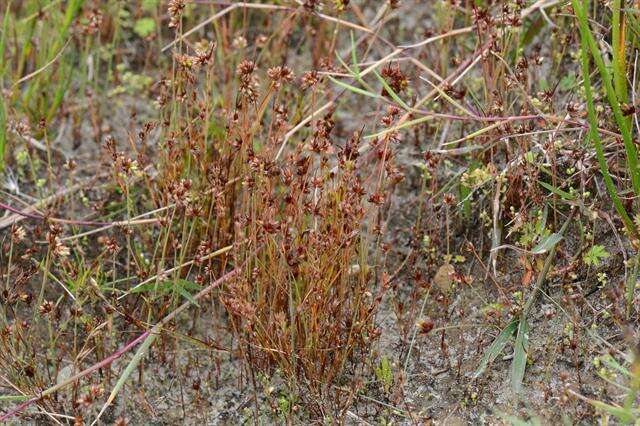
(519, 362)
(13, 397)
(354, 73)
(3, 134)
(142, 350)
(477, 133)
(3, 40)
(3, 67)
(391, 93)
(400, 126)
(623, 414)
(563, 194)
(497, 347)
(353, 88)
(354, 57)
(184, 293)
(449, 98)
(587, 40)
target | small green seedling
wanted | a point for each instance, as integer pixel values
(595, 255)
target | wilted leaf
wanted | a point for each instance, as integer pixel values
(443, 277)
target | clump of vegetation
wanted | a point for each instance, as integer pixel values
(318, 211)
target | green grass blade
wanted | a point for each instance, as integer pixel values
(391, 93)
(184, 293)
(401, 126)
(618, 45)
(354, 58)
(13, 397)
(73, 8)
(3, 134)
(496, 347)
(476, 133)
(355, 74)
(519, 362)
(61, 90)
(563, 194)
(3, 67)
(162, 287)
(634, 27)
(3, 40)
(588, 41)
(624, 415)
(449, 98)
(353, 88)
(127, 372)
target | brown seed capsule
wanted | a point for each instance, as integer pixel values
(46, 307)
(425, 325)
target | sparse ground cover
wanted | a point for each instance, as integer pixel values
(319, 212)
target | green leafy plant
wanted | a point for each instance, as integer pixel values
(595, 255)
(144, 27)
(384, 373)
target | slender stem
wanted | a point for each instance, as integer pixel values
(114, 356)
(545, 270)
